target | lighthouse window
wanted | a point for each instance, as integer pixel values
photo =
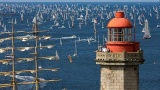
(115, 34)
(111, 33)
(128, 34)
(120, 34)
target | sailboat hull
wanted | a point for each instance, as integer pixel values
(146, 37)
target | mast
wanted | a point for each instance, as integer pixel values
(72, 19)
(13, 59)
(134, 27)
(98, 42)
(36, 55)
(95, 30)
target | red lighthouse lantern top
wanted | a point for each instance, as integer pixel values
(119, 21)
(120, 34)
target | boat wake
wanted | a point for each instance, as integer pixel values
(28, 79)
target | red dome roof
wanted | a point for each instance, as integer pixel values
(119, 21)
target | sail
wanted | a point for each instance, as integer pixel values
(57, 56)
(34, 20)
(75, 50)
(15, 21)
(146, 30)
(60, 42)
(40, 45)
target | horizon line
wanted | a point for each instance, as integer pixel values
(79, 1)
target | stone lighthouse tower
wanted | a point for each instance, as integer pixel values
(119, 64)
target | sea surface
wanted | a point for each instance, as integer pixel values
(82, 73)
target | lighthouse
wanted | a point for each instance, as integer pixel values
(119, 63)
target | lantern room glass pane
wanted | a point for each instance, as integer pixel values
(120, 34)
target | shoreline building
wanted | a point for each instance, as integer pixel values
(119, 64)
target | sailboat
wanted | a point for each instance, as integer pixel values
(5, 28)
(57, 56)
(40, 45)
(95, 30)
(146, 30)
(15, 21)
(72, 19)
(21, 17)
(102, 24)
(69, 26)
(75, 51)
(12, 60)
(60, 42)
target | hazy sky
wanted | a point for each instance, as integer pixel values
(79, 0)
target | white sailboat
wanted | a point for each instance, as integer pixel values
(80, 25)
(40, 45)
(102, 24)
(57, 56)
(60, 42)
(95, 30)
(89, 41)
(21, 17)
(146, 30)
(5, 28)
(15, 21)
(69, 25)
(75, 51)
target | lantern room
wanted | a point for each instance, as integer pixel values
(120, 34)
(119, 28)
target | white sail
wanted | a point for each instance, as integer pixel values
(5, 28)
(60, 42)
(69, 25)
(146, 30)
(40, 45)
(34, 20)
(102, 24)
(75, 51)
(57, 56)
(21, 17)
(15, 21)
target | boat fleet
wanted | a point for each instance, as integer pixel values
(73, 15)
(56, 17)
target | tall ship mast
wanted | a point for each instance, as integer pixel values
(12, 58)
